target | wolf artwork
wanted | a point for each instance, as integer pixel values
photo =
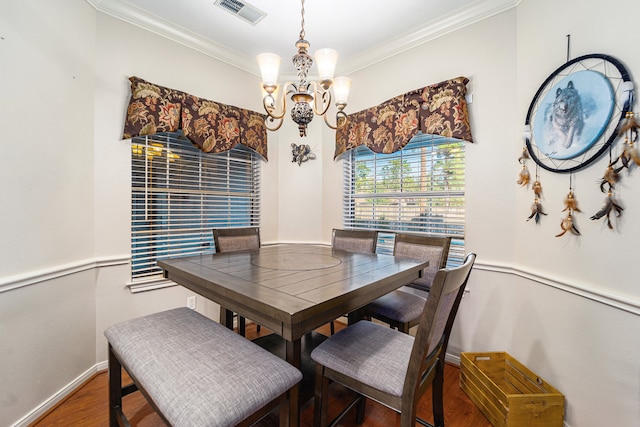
(573, 114)
(565, 120)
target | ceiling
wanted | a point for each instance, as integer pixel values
(362, 31)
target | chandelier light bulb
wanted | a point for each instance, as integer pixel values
(269, 67)
(341, 88)
(326, 59)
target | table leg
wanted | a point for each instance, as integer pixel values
(226, 317)
(294, 357)
(355, 316)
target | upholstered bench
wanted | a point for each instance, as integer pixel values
(195, 372)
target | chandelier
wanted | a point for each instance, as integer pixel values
(309, 97)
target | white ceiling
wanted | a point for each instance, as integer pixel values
(362, 31)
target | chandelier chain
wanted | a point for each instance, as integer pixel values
(302, 23)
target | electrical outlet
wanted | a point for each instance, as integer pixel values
(191, 302)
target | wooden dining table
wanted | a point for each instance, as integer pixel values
(291, 289)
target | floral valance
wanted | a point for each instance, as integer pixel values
(211, 126)
(439, 109)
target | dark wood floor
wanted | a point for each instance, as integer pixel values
(88, 405)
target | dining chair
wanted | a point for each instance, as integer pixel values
(389, 366)
(233, 240)
(236, 239)
(402, 309)
(360, 241)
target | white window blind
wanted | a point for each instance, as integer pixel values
(179, 194)
(419, 189)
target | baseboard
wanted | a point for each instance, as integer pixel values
(59, 397)
(454, 359)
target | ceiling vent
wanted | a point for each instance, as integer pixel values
(242, 10)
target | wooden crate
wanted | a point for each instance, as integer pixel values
(508, 393)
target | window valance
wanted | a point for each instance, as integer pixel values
(211, 126)
(439, 109)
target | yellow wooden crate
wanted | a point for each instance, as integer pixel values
(508, 393)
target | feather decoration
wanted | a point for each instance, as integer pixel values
(630, 124)
(567, 225)
(570, 203)
(524, 177)
(633, 154)
(536, 210)
(537, 188)
(524, 156)
(629, 153)
(610, 207)
(610, 178)
(630, 131)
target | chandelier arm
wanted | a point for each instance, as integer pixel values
(271, 109)
(341, 120)
(326, 100)
(271, 119)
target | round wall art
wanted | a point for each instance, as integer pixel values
(574, 115)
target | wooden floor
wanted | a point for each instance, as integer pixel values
(88, 406)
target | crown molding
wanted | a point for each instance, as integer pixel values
(431, 31)
(121, 10)
(157, 25)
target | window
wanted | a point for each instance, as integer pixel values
(179, 194)
(419, 189)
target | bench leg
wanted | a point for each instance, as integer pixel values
(116, 416)
(284, 413)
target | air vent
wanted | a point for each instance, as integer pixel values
(242, 10)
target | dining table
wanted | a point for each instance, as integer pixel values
(292, 289)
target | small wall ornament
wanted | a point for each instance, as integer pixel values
(576, 116)
(301, 153)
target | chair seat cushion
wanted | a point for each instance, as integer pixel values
(370, 353)
(198, 372)
(399, 306)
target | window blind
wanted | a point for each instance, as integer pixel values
(179, 194)
(419, 189)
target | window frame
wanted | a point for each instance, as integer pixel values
(444, 207)
(179, 194)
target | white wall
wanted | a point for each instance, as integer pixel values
(47, 304)
(565, 307)
(47, 125)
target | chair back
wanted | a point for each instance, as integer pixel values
(361, 241)
(420, 247)
(435, 326)
(236, 239)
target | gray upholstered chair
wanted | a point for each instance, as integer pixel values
(233, 240)
(400, 309)
(236, 239)
(389, 366)
(359, 241)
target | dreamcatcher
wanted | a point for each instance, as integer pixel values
(576, 115)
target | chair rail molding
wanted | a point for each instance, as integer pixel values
(618, 301)
(38, 276)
